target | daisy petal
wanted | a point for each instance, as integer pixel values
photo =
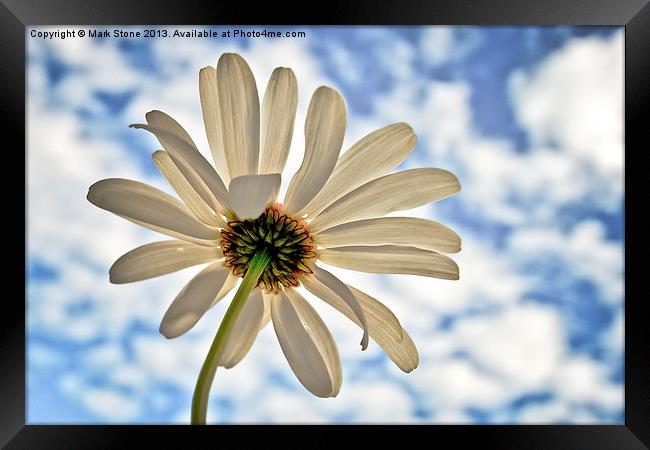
(391, 259)
(278, 115)
(195, 168)
(211, 121)
(394, 192)
(268, 298)
(404, 354)
(163, 121)
(372, 156)
(149, 207)
(384, 328)
(160, 258)
(193, 300)
(324, 132)
(250, 194)
(307, 344)
(239, 115)
(410, 231)
(212, 242)
(228, 286)
(185, 190)
(329, 288)
(244, 331)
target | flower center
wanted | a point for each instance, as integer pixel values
(287, 240)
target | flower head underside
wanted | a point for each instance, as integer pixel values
(228, 216)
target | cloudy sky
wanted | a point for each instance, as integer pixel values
(529, 119)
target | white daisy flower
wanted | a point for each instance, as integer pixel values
(229, 216)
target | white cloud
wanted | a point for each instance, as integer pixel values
(111, 405)
(282, 406)
(574, 100)
(522, 345)
(577, 140)
(582, 380)
(444, 44)
(437, 44)
(585, 249)
(457, 384)
(372, 402)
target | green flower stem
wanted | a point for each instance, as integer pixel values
(206, 375)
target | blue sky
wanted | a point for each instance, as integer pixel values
(530, 119)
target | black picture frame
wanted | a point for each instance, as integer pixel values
(634, 15)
